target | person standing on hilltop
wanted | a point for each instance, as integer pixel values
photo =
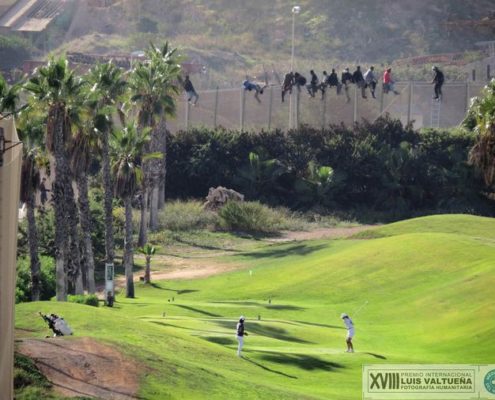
(438, 80)
(240, 333)
(189, 88)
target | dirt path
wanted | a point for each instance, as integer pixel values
(84, 367)
(189, 268)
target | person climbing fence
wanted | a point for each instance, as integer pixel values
(438, 80)
(388, 82)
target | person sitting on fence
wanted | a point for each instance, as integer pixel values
(388, 82)
(358, 79)
(346, 80)
(287, 84)
(438, 80)
(370, 80)
(299, 81)
(333, 80)
(189, 88)
(313, 85)
(256, 86)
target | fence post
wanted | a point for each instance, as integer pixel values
(409, 103)
(354, 118)
(382, 99)
(468, 96)
(324, 110)
(298, 97)
(291, 104)
(243, 104)
(188, 108)
(270, 109)
(216, 109)
(488, 73)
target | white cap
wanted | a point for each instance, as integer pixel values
(344, 315)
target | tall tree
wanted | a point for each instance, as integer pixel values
(481, 119)
(107, 94)
(153, 85)
(54, 87)
(31, 131)
(127, 148)
(83, 146)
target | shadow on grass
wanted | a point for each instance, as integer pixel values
(168, 325)
(377, 356)
(286, 307)
(268, 369)
(197, 310)
(219, 340)
(303, 361)
(294, 250)
(180, 291)
(321, 325)
(202, 246)
(264, 330)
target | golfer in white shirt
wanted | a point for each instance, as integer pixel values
(350, 332)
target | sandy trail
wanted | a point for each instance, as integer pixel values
(84, 367)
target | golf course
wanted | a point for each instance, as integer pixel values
(419, 291)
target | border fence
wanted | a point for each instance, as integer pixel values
(238, 109)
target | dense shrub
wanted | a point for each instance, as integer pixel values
(47, 279)
(186, 216)
(250, 217)
(89, 300)
(382, 167)
(13, 52)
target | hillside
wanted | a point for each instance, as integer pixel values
(429, 277)
(221, 32)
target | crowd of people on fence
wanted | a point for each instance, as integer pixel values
(363, 81)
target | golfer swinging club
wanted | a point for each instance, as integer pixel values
(240, 334)
(350, 332)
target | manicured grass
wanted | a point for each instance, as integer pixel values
(427, 283)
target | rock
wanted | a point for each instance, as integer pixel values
(217, 197)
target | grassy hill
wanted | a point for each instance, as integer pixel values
(427, 284)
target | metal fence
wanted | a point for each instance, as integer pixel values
(238, 109)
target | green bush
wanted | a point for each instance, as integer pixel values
(250, 217)
(186, 216)
(27, 374)
(89, 300)
(47, 279)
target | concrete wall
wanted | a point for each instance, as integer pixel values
(9, 206)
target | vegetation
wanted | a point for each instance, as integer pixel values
(89, 300)
(295, 349)
(380, 168)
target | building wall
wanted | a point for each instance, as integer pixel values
(9, 206)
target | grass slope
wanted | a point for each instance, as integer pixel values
(427, 283)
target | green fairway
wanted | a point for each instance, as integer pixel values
(427, 283)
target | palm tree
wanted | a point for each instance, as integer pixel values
(108, 88)
(127, 148)
(83, 146)
(31, 130)
(481, 119)
(54, 87)
(148, 251)
(153, 85)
